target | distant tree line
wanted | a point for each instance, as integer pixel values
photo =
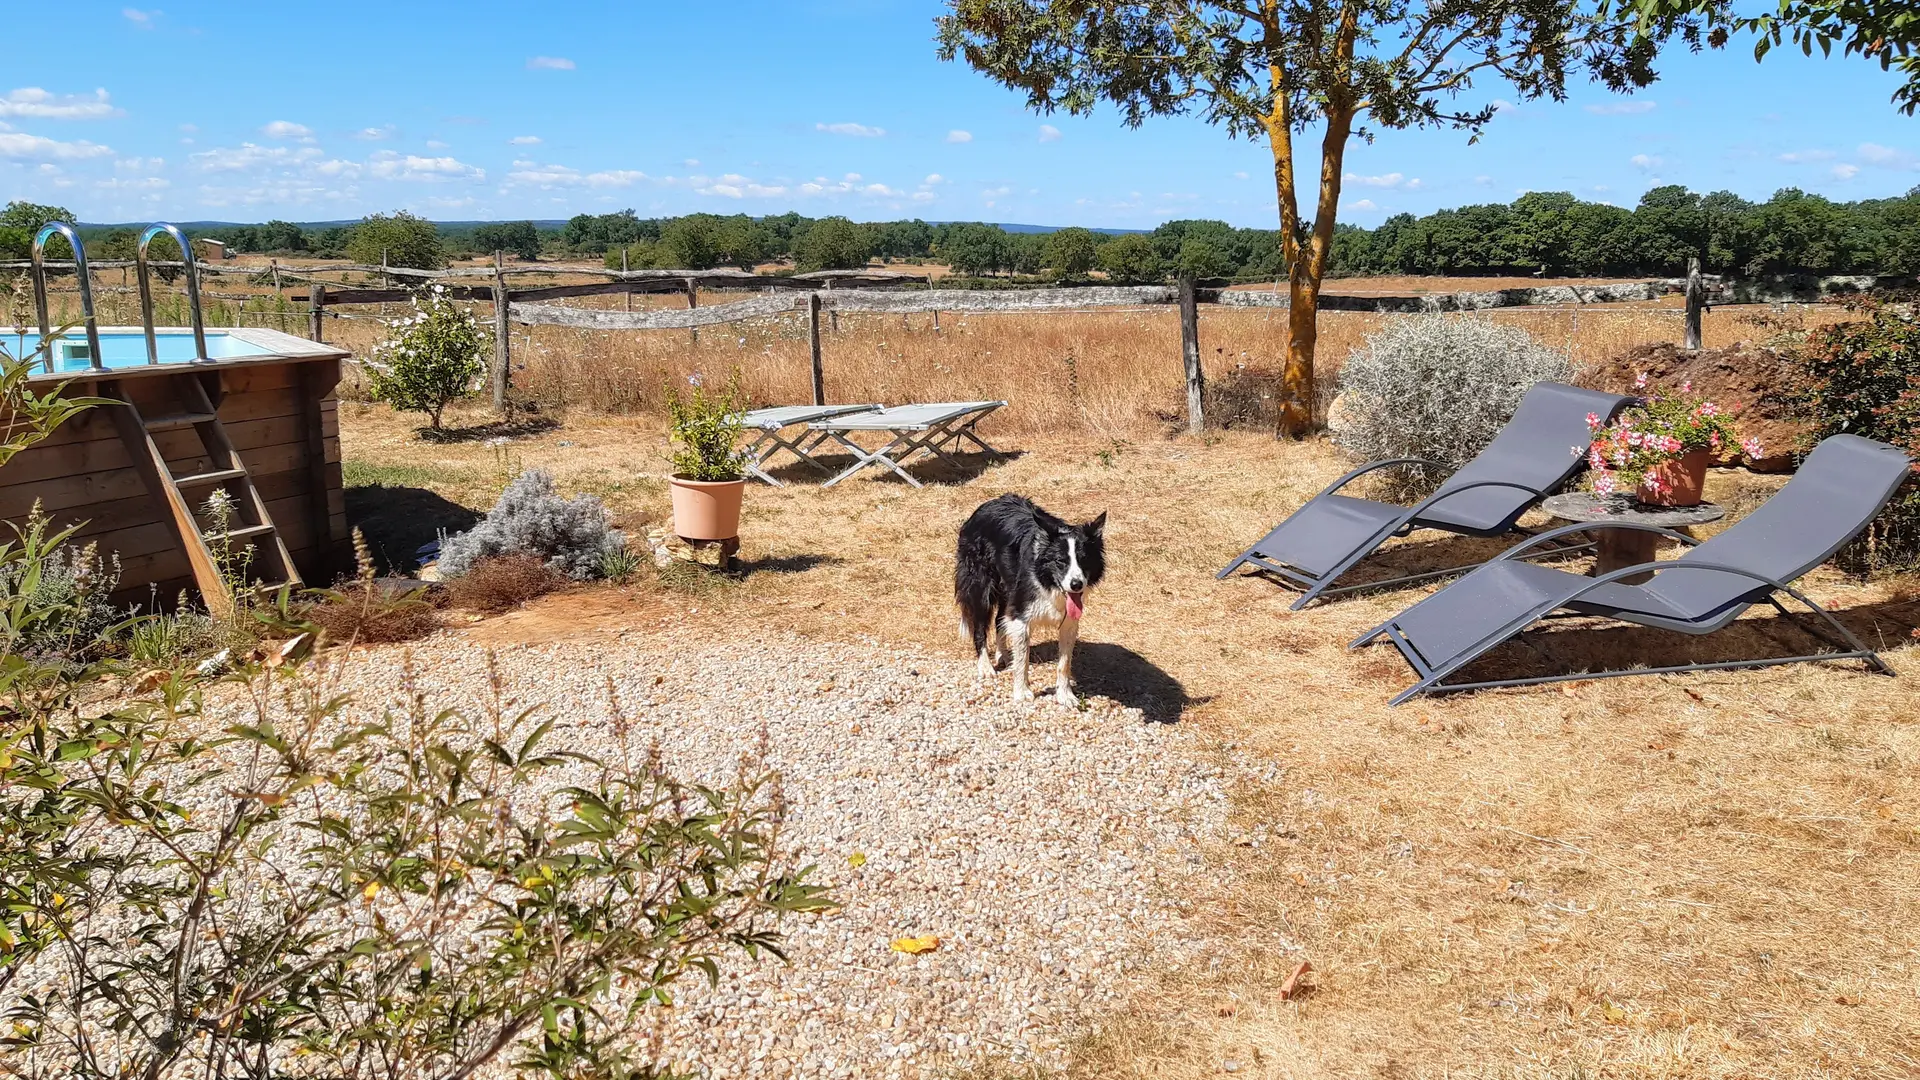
(1792, 232)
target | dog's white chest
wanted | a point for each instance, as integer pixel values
(1048, 610)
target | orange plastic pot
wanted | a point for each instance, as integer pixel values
(706, 509)
(1681, 480)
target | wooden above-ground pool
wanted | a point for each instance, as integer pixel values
(257, 419)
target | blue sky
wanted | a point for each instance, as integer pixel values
(244, 112)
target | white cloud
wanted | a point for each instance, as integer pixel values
(251, 156)
(860, 131)
(958, 136)
(23, 147)
(1885, 156)
(1802, 157)
(387, 165)
(1363, 204)
(524, 140)
(1622, 108)
(436, 144)
(995, 193)
(735, 186)
(1385, 180)
(691, 163)
(1241, 175)
(141, 19)
(1483, 180)
(140, 164)
(1845, 172)
(1049, 133)
(42, 105)
(1646, 161)
(932, 179)
(287, 129)
(1501, 105)
(553, 176)
(549, 63)
(881, 191)
(924, 196)
(376, 134)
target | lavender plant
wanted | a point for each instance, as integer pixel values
(573, 536)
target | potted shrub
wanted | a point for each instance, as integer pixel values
(709, 471)
(431, 357)
(1659, 448)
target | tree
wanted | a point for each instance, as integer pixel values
(743, 242)
(21, 220)
(517, 238)
(833, 244)
(1199, 258)
(279, 235)
(1274, 68)
(400, 239)
(1884, 31)
(688, 243)
(1070, 252)
(972, 248)
(1131, 259)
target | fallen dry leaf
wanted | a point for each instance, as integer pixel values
(857, 860)
(913, 946)
(1884, 811)
(1292, 985)
(1614, 1013)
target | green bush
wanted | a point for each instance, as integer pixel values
(431, 357)
(1863, 378)
(706, 427)
(1132, 260)
(399, 240)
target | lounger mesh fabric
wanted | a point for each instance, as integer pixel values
(1540, 448)
(1836, 493)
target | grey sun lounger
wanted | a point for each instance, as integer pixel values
(935, 429)
(1539, 450)
(1836, 493)
(767, 425)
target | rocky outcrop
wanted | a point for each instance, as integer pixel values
(1755, 381)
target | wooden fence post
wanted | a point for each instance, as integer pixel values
(833, 317)
(693, 301)
(316, 307)
(1190, 354)
(502, 333)
(623, 271)
(1696, 301)
(813, 345)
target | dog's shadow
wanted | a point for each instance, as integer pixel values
(1119, 673)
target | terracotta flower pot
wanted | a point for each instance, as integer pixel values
(1681, 480)
(706, 509)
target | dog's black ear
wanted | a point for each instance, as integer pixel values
(1098, 526)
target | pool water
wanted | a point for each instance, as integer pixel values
(119, 350)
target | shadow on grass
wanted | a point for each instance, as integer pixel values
(783, 564)
(1374, 574)
(1576, 645)
(497, 429)
(1116, 672)
(396, 521)
(928, 470)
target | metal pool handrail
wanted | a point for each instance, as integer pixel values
(86, 290)
(193, 291)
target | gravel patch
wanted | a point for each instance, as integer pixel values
(1046, 848)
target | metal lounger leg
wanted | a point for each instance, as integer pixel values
(757, 458)
(864, 459)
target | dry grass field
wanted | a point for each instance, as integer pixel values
(1706, 876)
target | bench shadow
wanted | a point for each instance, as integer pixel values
(1571, 645)
(396, 521)
(961, 469)
(1117, 672)
(1373, 575)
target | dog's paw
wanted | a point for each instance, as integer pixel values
(1065, 697)
(1021, 694)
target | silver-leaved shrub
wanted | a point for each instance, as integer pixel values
(1439, 387)
(573, 536)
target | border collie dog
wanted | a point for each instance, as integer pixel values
(1019, 567)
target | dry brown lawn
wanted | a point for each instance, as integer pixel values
(1702, 876)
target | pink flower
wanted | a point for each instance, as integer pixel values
(1593, 421)
(1751, 446)
(1575, 451)
(1603, 483)
(1687, 387)
(1652, 483)
(1640, 381)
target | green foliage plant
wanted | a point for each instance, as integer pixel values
(1862, 377)
(1665, 424)
(397, 239)
(706, 428)
(431, 357)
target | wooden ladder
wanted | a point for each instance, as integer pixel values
(272, 563)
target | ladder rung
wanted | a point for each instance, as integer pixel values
(178, 420)
(242, 533)
(218, 476)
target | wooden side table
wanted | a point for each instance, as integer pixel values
(1617, 548)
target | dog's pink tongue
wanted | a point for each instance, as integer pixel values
(1073, 606)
